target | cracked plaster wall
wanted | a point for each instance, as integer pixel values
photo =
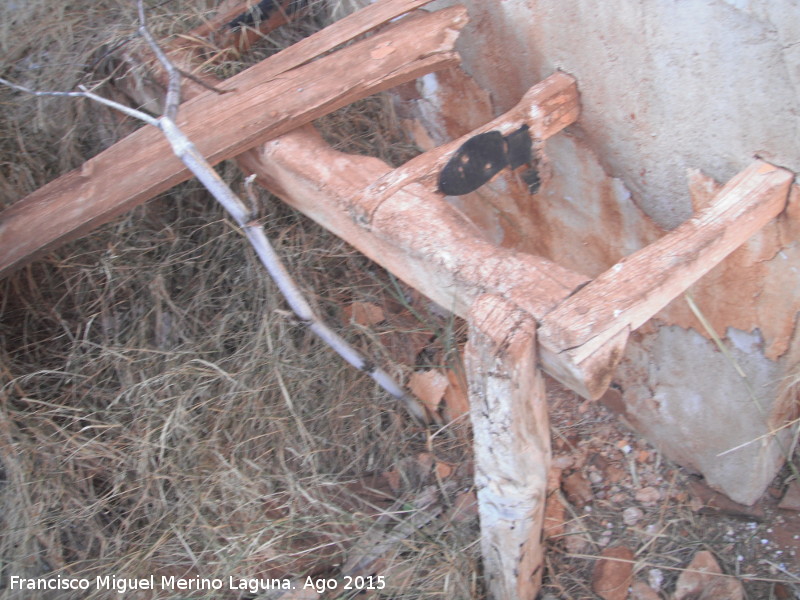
(666, 85)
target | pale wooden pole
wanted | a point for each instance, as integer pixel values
(511, 436)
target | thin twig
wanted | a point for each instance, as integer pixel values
(84, 93)
(173, 99)
(294, 297)
(184, 149)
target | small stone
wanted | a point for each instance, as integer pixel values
(648, 495)
(429, 386)
(655, 577)
(615, 474)
(632, 515)
(364, 313)
(613, 573)
(562, 461)
(578, 489)
(641, 591)
(701, 581)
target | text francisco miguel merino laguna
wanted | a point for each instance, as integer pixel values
(122, 585)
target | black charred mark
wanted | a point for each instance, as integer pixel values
(263, 10)
(519, 147)
(483, 156)
(478, 160)
(532, 180)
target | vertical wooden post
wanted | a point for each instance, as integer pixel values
(512, 445)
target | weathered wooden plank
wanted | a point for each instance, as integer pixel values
(508, 409)
(263, 106)
(594, 321)
(415, 234)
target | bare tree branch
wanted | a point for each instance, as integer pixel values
(84, 93)
(173, 98)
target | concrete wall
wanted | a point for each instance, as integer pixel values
(666, 86)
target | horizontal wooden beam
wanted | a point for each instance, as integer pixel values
(271, 98)
(337, 189)
(414, 232)
(582, 340)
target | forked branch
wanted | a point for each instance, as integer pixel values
(186, 151)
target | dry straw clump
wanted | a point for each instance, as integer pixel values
(160, 411)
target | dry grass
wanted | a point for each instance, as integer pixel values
(160, 411)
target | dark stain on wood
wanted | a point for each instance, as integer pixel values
(483, 156)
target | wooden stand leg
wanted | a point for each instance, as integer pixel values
(512, 445)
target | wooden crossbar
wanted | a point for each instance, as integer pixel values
(582, 340)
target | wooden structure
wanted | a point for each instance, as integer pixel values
(525, 313)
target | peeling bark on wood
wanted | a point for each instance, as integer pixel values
(510, 424)
(748, 290)
(593, 322)
(416, 234)
(547, 108)
(264, 106)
